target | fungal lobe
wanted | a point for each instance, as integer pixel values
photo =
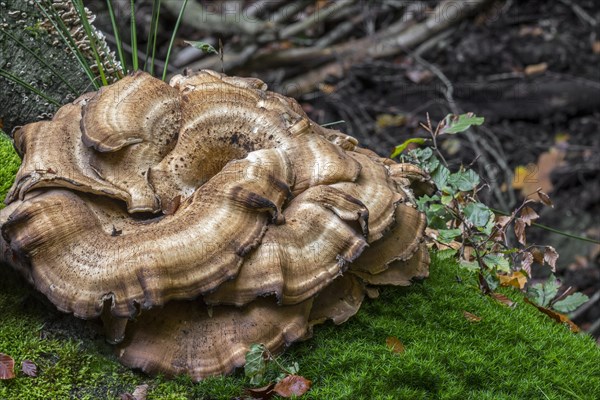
(200, 216)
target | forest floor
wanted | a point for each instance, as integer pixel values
(532, 71)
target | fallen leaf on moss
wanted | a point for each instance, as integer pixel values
(471, 317)
(265, 392)
(7, 367)
(292, 385)
(394, 344)
(29, 368)
(558, 317)
(139, 393)
(503, 299)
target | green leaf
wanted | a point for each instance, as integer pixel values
(498, 261)
(437, 208)
(256, 364)
(423, 200)
(491, 279)
(469, 265)
(477, 213)
(436, 222)
(397, 150)
(430, 164)
(488, 227)
(209, 49)
(447, 235)
(543, 293)
(446, 199)
(461, 123)
(464, 180)
(440, 176)
(570, 303)
(446, 254)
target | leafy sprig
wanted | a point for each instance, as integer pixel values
(462, 227)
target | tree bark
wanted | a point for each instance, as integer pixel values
(23, 34)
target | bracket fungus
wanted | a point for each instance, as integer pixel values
(201, 216)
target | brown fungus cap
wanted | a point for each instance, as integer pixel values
(189, 338)
(270, 224)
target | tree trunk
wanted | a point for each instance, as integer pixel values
(27, 38)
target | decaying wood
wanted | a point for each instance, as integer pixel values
(34, 53)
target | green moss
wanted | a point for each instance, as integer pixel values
(511, 354)
(9, 164)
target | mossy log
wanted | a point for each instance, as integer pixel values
(31, 51)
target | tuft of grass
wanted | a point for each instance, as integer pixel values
(133, 24)
(120, 50)
(181, 11)
(511, 354)
(152, 35)
(9, 165)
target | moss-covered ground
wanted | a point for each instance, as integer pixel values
(9, 164)
(512, 353)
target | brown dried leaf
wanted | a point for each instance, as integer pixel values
(528, 215)
(503, 299)
(292, 385)
(265, 392)
(558, 317)
(544, 198)
(550, 257)
(526, 261)
(536, 68)
(502, 221)
(520, 231)
(394, 344)
(516, 279)
(471, 317)
(140, 392)
(538, 255)
(29, 368)
(7, 367)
